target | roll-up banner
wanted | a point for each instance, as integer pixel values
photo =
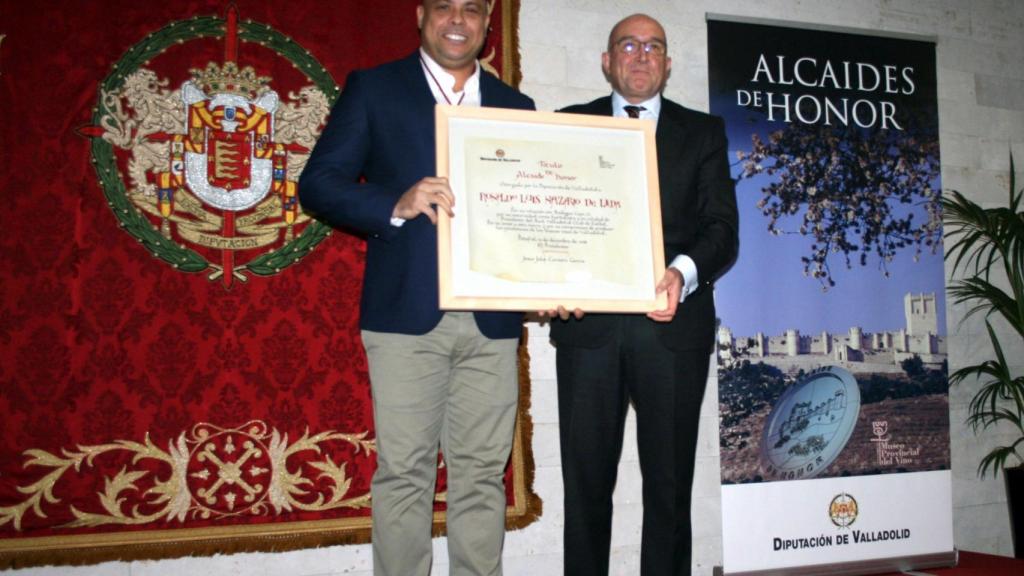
(832, 365)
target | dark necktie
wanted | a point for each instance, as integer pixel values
(633, 111)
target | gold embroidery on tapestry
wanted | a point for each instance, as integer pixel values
(215, 473)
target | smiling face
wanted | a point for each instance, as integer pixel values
(637, 75)
(452, 32)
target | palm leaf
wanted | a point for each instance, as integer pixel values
(986, 248)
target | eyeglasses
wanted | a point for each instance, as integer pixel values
(632, 47)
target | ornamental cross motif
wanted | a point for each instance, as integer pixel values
(229, 472)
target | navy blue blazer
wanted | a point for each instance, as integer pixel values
(382, 129)
(698, 218)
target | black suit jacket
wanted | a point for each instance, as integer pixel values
(382, 128)
(699, 219)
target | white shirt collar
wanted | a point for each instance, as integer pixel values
(445, 82)
(652, 107)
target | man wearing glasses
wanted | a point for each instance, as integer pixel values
(658, 362)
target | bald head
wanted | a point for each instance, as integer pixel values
(615, 34)
(637, 63)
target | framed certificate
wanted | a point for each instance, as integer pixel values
(550, 209)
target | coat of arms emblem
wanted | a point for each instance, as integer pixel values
(204, 175)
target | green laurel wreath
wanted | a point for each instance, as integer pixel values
(131, 218)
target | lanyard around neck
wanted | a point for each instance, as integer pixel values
(438, 84)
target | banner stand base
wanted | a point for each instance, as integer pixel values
(875, 566)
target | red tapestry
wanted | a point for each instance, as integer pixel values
(180, 363)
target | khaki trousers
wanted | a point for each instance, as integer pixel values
(455, 388)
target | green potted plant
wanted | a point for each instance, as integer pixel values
(986, 246)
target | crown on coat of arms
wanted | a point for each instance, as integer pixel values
(230, 80)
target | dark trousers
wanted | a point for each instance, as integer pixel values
(595, 387)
